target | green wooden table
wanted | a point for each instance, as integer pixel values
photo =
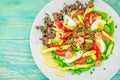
(16, 18)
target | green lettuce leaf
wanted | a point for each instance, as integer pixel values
(104, 14)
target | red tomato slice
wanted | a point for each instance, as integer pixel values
(60, 53)
(98, 53)
(81, 60)
(66, 36)
(53, 45)
(77, 13)
(69, 49)
(95, 16)
(61, 26)
(87, 18)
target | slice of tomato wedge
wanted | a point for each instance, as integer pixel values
(81, 60)
(63, 52)
(89, 16)
(66, 36)
(61, 26)
(53, 45)
(77, 13)
(69, 49)
(60, 52)
(98, 53)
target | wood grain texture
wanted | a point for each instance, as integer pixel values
(16, 18)
(16, 61)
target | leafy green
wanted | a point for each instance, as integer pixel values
(104, 56)
(80, 70)
(60, 62)
(55, 40)
(104, 14)
(83, 29)
(106, 28)
(89, 61)
(72, 27)
(96, 30)
(112, 27)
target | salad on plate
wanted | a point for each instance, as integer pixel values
(77, 38)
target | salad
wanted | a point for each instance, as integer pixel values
(77, 39)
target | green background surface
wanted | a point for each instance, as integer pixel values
(16, 18)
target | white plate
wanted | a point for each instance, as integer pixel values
(112, 64)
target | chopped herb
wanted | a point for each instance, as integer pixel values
(116, 26)
(104, 68)
(111, 52)
(91, 72)
(93, 69)
(83, 29)
(65, 4)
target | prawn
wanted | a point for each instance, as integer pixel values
(98, 35)
(68, 55)
(81, 40)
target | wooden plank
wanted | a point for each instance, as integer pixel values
(116, 76)
(16, 61)
(115, 4)
(15, 32)
(17, 16)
